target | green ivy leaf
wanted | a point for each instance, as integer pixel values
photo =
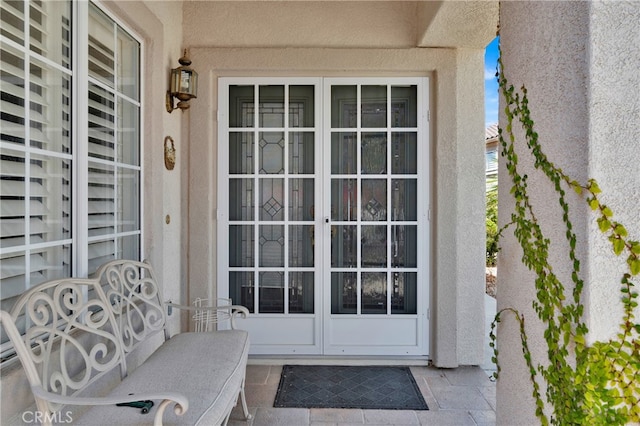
(603, 387)
(620, 230)
(604, 224)
(576, 187)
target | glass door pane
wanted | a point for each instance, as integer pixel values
(271, 187)
(374, 211)
(319, 207)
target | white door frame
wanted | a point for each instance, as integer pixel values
(381, 334)
(271, 333)
(320, 332)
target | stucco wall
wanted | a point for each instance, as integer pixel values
(300, 24)
(579, 70)
(470, 24)
(614, 152)
(155, 22)
(471, 209)
(458, 174)
(354, 24)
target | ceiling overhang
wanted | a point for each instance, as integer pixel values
(454, 24)
(341, 24)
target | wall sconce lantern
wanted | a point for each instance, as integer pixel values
(183, 84)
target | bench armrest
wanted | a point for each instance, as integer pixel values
(212, 314)
(168, 398)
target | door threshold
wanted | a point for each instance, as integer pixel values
(337, 360)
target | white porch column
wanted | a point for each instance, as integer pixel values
(459, 215)
(579, 62)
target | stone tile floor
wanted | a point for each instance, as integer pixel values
(457, 397)
(460, 396)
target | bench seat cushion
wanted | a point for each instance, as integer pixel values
(208, 368)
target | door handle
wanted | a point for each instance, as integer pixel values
(327, 221)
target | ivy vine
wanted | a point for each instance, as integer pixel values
(585, 383)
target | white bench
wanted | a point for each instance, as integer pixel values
(79, 330)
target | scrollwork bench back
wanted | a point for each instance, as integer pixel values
(78, 330)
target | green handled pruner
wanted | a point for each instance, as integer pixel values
(145, 406)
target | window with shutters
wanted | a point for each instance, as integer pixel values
(491, 157)
(70, 147)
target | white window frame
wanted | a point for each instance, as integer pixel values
(79, 156)
(491, 160)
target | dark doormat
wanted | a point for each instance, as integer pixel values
(327, 386)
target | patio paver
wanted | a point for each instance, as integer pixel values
(460, 396)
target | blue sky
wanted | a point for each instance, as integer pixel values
(490, 83)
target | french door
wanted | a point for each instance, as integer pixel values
(323, 197)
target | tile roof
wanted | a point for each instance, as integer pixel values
(491, 132)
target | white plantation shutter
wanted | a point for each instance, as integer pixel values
(113, 171)
(40, 168)
(36, 158)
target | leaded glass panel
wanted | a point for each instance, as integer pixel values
(373, 243)
(374, 153)
(404, 244)
(301, 245)
(271, 155)
(344, 199)
(241, 245)
(344, 247)
(241, 289)
(404, 293)
(271, 106)
(301, 106)
(241, 155)
(344, 146)
(374, 292)
(373, 184)
(279, 184)
(301, 297)
(272, 199)
(271, 245)
(374, 106)
(403, 199)
(404, 153)
(241, 196)
(271, 299)
(404, 106)
(374, 200)
(344, 113)
(241, 106)
(301, 199)
(344, 292)
(301, 152)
